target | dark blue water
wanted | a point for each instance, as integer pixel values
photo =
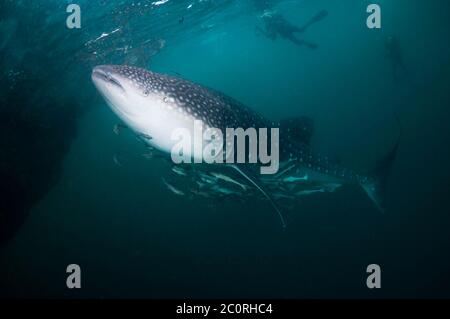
(65, 200)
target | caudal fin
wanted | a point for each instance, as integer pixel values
(375, 187)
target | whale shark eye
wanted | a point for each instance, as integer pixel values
(146, 92)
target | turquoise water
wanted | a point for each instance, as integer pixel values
(75, 192)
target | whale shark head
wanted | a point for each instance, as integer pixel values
(132, 93)
(152, 104)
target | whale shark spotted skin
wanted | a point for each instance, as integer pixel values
(153, 105)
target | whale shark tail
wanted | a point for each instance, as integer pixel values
(375, 187)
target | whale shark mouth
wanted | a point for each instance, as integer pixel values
(100, 74)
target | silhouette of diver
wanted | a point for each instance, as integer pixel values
(394, 54)
(276, 25)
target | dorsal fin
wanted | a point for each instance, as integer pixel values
(299, 129)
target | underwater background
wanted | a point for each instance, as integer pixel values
(72, 191)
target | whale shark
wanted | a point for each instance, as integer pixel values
(153, 105)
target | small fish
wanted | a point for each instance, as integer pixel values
(160, 2)
(292, 179)
(207, 179)
(116, 161)
(282, 196)
(285, 170)
(173, 189)
(148, 155)
(179, 171)
(145, 139)
(145, 136)
(229, 180)
(309, 192)
(117, 128)
(200, 193)
(224, 191)
(200, 184)
(331, 187)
